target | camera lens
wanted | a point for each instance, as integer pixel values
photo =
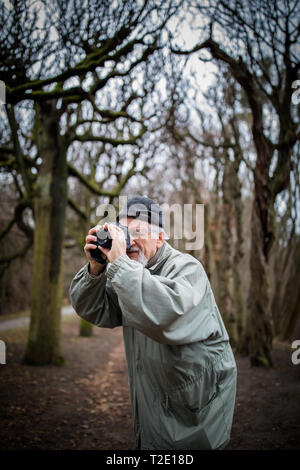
(103, 238)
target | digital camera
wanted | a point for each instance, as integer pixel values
(104, 240)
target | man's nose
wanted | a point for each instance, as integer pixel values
(132, 241)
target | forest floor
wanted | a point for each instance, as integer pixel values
(85, 403)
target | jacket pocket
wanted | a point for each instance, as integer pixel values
(193, 418)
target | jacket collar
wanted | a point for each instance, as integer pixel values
(160, 256)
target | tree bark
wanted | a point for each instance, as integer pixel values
(3, 286)
(207, 242)
(238, 303)
(259, 330)
(290, 299)
(226, 254)
(43, 346)
(215, 237)
(86, 328)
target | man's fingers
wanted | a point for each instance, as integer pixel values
(104, 250)
(94, 229)
(90, 238)
(89, 246)
(115, 232)
(97, 228)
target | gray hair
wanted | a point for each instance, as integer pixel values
(156, 229)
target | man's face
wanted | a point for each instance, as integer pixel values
(143, 244)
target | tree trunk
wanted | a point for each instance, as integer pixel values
(237, 258)
(226, 301)
(85, 328)
(3, 286)
(259, 332)
(207, 242)
(290, 301)
(276, 267)
(260, 327)
(216, 249)
(43, 346)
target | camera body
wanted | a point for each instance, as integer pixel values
(104, 240)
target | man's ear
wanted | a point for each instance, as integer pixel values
(161, 239)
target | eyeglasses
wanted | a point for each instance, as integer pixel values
(139, 233)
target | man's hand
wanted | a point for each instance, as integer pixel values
(95, 268)
(118, 246)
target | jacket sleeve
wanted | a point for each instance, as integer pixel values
(94, 299)
(166, 308)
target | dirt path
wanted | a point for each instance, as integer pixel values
(85, 404)
(24, 321)
(267, 412)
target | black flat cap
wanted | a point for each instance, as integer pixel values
(143, 208)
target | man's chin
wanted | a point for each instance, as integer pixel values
(138, 256)
(133, 254)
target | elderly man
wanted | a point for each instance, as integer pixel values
(182, 372)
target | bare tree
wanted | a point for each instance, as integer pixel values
(63, 72)
(257, 40)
